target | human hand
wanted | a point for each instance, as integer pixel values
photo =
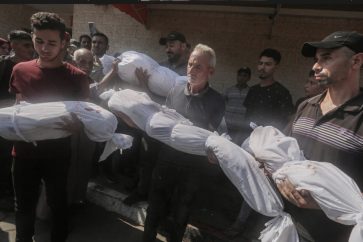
(302, 198)
(114, 68)
(142, 76)
(212, 157)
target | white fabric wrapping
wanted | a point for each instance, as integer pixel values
(181, 80)
(273, 147)
(138, 106)
(162, 80)
(243, 171)
(336, 193)
(189, 139)
(106, 61)
(44, 121)
(161, 124)
(130, 60)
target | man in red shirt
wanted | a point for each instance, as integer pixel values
(44, 79)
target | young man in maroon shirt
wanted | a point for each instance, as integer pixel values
(44, 79)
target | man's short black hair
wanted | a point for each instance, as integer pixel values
(244, 69)
(102, 35)
(45, 20)
(272, 53)
(19, 35)
(85, 36)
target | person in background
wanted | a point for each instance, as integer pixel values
(22, 50)
(102, 62)
(4, 47)
(45, 79)
(268, 102)
(85, 41)
(235, 110)
(328, 127)
(312, 88)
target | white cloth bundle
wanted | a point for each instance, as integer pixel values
(189, 139)
(336, 193)
(161, 80)
(130, 60)
(106, 61)
(138, 106)
(44, 121)
(273, 147)
(161, 124)
(243, 171)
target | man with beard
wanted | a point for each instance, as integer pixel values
(328, 127)
(177, 50)
(269, 102)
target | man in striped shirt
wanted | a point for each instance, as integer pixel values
(328, 127)
(235, 110)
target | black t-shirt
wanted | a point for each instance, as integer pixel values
(204, 110)
(6, 67)
(269, 105)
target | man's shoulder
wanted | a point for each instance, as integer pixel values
(25, 65)
(280, 87)
(74, 70)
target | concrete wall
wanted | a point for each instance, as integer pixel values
(237, 38)
(16, 16)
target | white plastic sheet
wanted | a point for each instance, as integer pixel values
(244, 172)
(44, 121)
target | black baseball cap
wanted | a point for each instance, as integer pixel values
(351, 39)
(171, 37)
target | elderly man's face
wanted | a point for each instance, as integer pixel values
(199, 69)
(84, 62)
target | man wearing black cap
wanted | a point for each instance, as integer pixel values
(328, 127)
(176, 48)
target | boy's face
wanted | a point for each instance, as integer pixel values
(48, 44)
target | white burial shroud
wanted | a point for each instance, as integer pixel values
(159, 122)
(43, 121)
(161, 79)
(244, 172)
(336, 193)
(136, 105)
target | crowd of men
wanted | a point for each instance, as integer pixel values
(47, 65)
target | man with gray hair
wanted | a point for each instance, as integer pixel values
(177, 174)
